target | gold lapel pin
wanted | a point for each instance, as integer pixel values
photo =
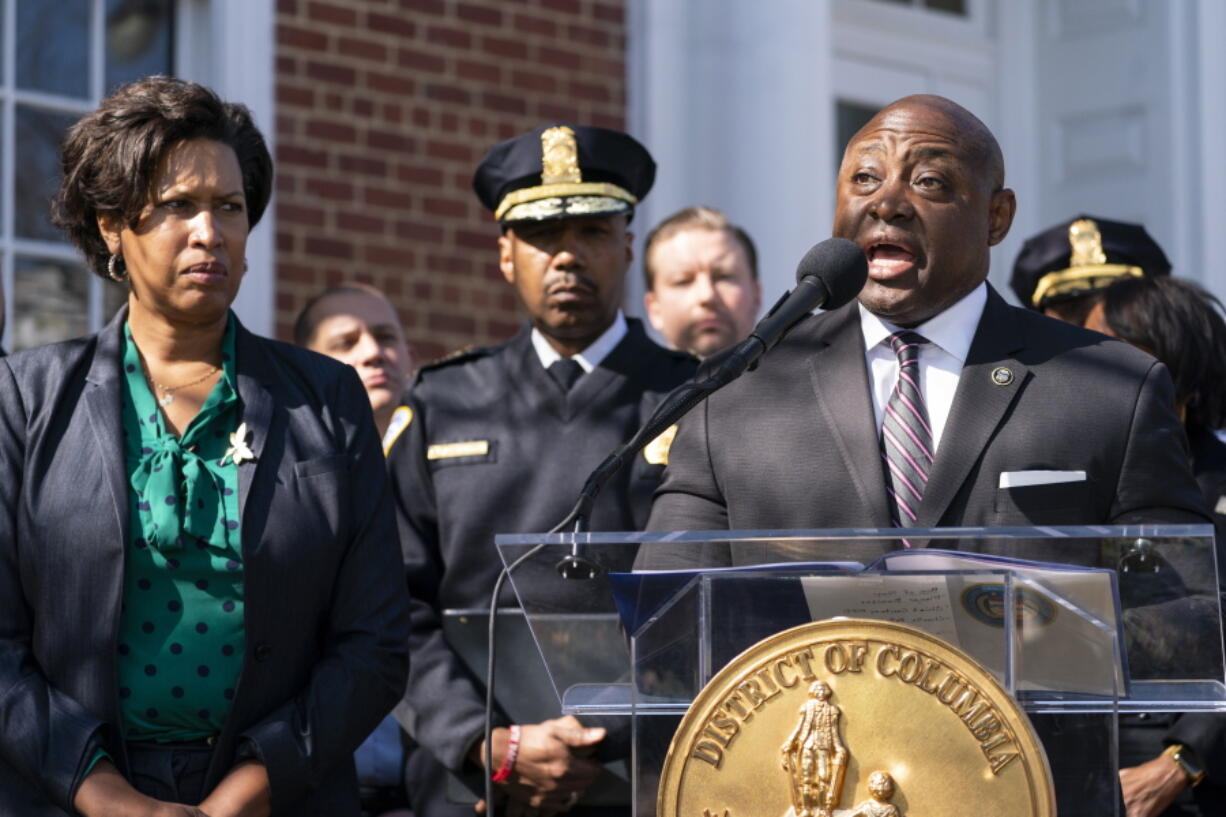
(1002, 376)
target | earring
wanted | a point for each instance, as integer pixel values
(112, 269)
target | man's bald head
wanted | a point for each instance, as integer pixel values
(979, 144)
(921, 191)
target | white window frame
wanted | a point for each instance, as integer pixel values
(224, 44)
(917, 22)
(230, 45)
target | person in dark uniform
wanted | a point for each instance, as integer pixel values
(1177, 766)
(501, 439)
(1063, 270)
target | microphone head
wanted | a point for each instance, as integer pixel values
(839, 265)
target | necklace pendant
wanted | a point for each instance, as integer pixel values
(166, 401)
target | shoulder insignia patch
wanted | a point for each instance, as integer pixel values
(402, 418)
(656, 451)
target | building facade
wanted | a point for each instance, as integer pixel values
(378, 111)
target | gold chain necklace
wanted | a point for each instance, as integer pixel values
(168, 391)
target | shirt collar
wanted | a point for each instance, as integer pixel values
(952, 330)
(590, 357)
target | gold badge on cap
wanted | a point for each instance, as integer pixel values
(1002, 376)
(1086, 243)
(1087, 269)
(656, 451)
(559, 156)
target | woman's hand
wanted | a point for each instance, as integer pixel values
(177, 810)
(105, 793)
(244, 792)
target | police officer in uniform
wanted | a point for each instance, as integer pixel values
(1063, 270)
(1171, 765)
(501, 439)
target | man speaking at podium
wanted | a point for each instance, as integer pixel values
(931, 402)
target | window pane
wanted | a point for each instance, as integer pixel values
(849, 118)
(138, 40)
(951, 6)
(38, 170)
(50, 302)
(53, 46)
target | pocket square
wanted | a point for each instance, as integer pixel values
(1020, 479)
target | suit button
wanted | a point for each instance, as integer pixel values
(262, 651)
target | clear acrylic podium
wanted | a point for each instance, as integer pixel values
(1132, 626)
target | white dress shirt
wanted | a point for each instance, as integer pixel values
(590, 357)
(949, 336)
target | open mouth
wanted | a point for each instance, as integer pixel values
(886, 260)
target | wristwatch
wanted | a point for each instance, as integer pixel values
(1187, 763)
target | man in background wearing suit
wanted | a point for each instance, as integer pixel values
(501, 439)
(701, 271)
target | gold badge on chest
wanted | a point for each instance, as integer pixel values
(656, 451)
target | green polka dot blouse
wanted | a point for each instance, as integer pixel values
(181, 628)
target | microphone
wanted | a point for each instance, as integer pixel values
(829, 275)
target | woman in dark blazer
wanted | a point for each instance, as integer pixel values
(201, 602)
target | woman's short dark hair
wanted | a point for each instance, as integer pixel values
(111, 156)
(1181, 324)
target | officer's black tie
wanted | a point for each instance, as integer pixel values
(565, 371)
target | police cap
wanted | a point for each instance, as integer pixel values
(564, 171)
(1083, 255)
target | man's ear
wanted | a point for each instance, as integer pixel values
(1000, 215)
(506, 260)
(652, 305)
(110, 226)
(629, 249)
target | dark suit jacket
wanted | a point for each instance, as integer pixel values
(326, 611)
(541, 446)
(795, 444)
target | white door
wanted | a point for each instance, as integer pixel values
(1112, 117)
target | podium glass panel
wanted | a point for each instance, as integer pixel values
(1099, 620)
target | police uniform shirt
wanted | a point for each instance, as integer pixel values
(496, 446)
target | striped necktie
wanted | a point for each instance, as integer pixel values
(906, 436)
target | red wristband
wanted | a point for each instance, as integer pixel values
(508, 760)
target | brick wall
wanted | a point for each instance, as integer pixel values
(383, 110)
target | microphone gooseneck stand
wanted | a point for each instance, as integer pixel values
(830, 275)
